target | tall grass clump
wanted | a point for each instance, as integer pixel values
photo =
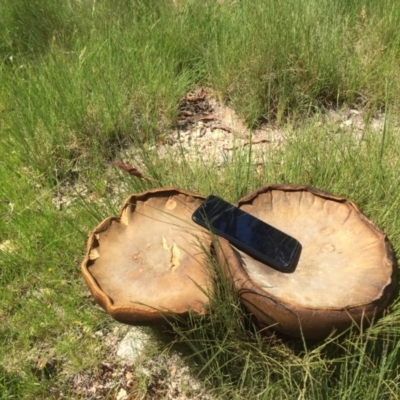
(89, 77)
(239, 360)
(229, 352)
(288, 58)
(28, 28)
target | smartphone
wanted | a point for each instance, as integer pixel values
(249, 234)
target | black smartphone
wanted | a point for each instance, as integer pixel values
(249, 234)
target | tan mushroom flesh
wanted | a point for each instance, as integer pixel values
(345, 274)
(150, 262)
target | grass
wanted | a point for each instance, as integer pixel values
(82, 81)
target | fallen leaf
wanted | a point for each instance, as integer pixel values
(129, 169)
(202, 94)
(221, 126)
(208, 117)
(132, 170)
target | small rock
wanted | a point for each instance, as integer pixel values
(122, 395)
(133, 345)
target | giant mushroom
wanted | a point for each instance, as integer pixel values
(345, 274)
(150, 263)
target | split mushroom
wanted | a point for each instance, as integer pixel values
(345, 274)
(151, 261)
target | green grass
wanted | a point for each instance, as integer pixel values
(82, 81)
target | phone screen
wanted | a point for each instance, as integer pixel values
(248, 233)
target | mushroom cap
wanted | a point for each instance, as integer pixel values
(151, 261)
(345, 274)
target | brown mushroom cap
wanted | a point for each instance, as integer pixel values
(345, 274)
(150, 262)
